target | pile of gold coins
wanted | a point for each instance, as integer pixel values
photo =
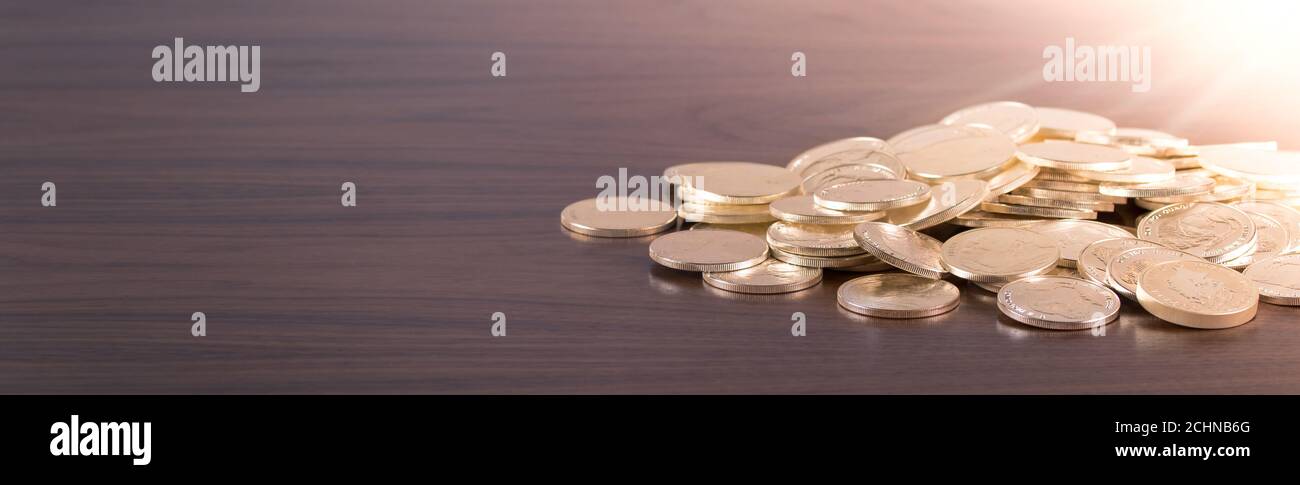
(1218, 230)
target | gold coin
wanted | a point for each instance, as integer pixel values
(844, 174)
(1290, 218)
(1179, 185)
(944, 152)
(872, 195)
(898, 295)
(1278, 279)
(1066, 123)
(870, 267)
(1138, 141)
(757, 228)
(1184, 163)
(1143, 170)
(1068, 195)
(978, 218)
(1089, 187)
(771, 276)
(853, 150)
(1124, 268)
(1273, 240)
(1012, 178)
(947, 201)
(801, 209)
(999, 254)
(1062, 204)
(813, 240)
(1018, 121)
(902, 248)
(1270, 170)
(618, 217)
(724, 209)
(1058, 303)
(1288, 193)
(735, 182)
(847, 262)
(996, 287)
(1207, 230)
(1197, 294)
(1069, 155)
(1072, 236)
(1096, 256)
(1063, 176)
(723, 218)
(1224, 189)
(1032, 211)
(713, 250)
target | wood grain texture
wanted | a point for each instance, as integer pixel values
(177, 198)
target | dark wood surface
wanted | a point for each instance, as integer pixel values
(180, 198)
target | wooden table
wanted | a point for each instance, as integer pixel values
(177, 198)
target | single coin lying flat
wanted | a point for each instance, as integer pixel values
(872, 195)
(898, 295)
(1074, 156)
(770, 276)
(618, 217)
(803, 210)
(1197, 294)
(1058, 303)
(710, 250)
(999, 254)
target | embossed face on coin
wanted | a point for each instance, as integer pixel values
(947, 201)
(1197, 294)
(1290, 218)
(1278, 279)
(1123, 270)
(868, 165)
(943, 151)
(813, 240)
(711, 250)
(771, 276)
(872, 195)
(898, 295)
(1073, 236)
(1208, 230)
(1018, 121)
(1097, 256)
(735, 182)
(999, 254)
(1013, 177)
(1058, 302)
(801, 162)
(1273, 239)
(801, 209)
(902, 248)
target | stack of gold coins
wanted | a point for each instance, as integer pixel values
(1275, 174)
(729, 192)
(819, 246)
